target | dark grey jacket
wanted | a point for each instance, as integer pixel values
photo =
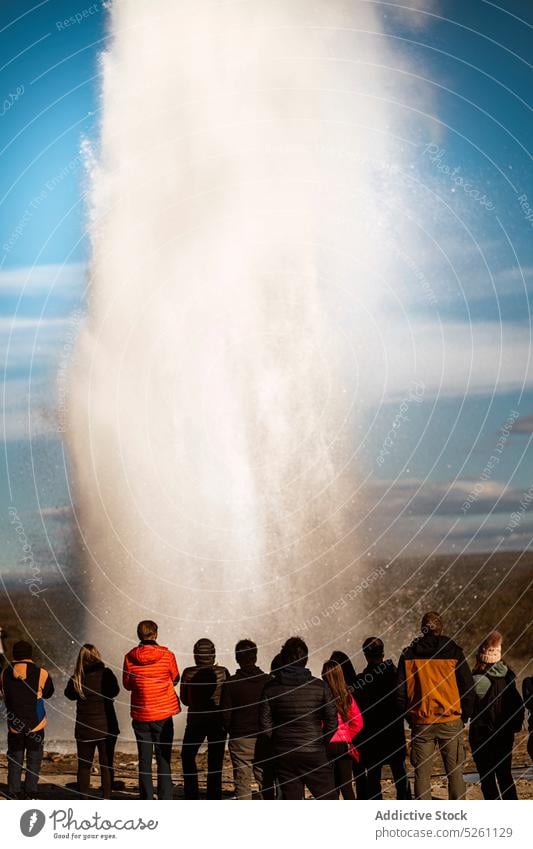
(297, 712)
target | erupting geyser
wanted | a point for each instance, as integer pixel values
(236, 197)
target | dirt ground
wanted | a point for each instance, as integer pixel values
(58, 776)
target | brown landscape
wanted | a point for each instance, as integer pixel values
(58, 777)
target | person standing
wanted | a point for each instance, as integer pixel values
(24, 687)
(341, 750)
(201, 688)
(93, 687)
(498, 715)
(527, 693)
(150, 673)
(298, 714)
(382, 740)
(241, 695)
(435, 693)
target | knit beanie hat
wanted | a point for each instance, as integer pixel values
(204, 650)
(22, 650)
(490, 650)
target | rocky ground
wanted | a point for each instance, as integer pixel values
(59, 776)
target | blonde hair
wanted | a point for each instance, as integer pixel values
(87, 656)
(333, 675)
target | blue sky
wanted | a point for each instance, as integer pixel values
(466, 299)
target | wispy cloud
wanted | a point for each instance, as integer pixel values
(41, 277)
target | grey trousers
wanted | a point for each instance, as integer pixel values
(242, 754)
(448, 736)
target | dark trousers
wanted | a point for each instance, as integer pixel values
(299, 769)
(19, 745)
(110, 745)
(197, 730)
(368, 777)
(265, 759)
(342, 762)
(494, 767)
(86, 750)
(154, 737)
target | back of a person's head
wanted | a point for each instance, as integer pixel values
(489, 652)
(373, 649)
(294, 652)
(204, 652)
(246, 653)
(22, 650)
(348, 669)
(431, 623)
(87, 657)
(147, 630)
(276, 663)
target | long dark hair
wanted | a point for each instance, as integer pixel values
(333, 676)
(348, 669)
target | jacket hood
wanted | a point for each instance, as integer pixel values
(428, 645)
(294, 675)
(147, 654)
(250, 672)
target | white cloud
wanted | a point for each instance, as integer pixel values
(448, 358)
(42, 277)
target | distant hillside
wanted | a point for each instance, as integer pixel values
(475, 593)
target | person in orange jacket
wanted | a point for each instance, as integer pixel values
(150, 673)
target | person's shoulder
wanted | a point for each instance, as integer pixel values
(447, 646)
(271, 683)
(108, 672)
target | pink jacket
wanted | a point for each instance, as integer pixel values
(350, 728)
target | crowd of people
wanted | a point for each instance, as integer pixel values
(286, 730)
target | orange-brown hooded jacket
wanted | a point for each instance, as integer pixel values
(434, 681)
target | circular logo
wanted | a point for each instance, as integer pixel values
(32, 822)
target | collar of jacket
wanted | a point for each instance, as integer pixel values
(295, 674)
(249, 672)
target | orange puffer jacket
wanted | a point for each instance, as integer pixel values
(151, 673)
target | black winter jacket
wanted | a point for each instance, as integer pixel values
(383, 733)
(499, 714)
(201, 688)
(95, 714)
(240, 700)
(297, 711)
